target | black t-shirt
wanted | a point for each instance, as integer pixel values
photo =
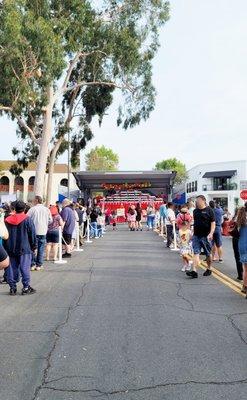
(202, 221)
(80, 215)
(94, 216)
(3, 254)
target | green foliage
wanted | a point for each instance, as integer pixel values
(39, 39)
(173, 164)
(101, 159)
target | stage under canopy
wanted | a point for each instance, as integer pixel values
(154, 182)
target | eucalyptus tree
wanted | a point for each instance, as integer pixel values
(61, 63)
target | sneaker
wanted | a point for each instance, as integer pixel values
(39, 268)
(221, 261)
(208, 272)
(33, 268)
(12, 291)
(28, 290)
(192, 274)
(3, 281)
(66, 255)
(183, 269)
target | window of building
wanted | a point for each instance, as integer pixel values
(31, 180)
(195, 186)
(189, 187)
(18, 184)
(64, 182)
(4, 184)
(31, 186)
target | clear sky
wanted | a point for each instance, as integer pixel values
(200, 74)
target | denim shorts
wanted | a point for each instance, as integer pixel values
(52, 236)
(217, 237)
(199, 243)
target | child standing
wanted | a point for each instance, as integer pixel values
(132, 218)
(114, 220)
(157, 220)
(185, 237)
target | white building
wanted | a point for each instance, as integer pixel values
(22, 187)
(221, 181)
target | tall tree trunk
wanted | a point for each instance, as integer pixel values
(44, 145)
(52, 161)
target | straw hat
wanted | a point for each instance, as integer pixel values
(66, 202)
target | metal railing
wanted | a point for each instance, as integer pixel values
(229, 186)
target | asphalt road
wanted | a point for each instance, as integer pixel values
(121, 321)
(229, 265)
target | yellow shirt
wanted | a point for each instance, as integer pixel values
(185, 236)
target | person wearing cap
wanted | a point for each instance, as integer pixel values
(41, 217)
(52, 237)
(68, 216)
(20, 245)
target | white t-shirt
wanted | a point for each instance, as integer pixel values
(41, 217)
(170, 218)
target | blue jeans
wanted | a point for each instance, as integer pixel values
(41, 242)
(150, 221)
(100, 230)
(19, 265)
(199, 243)
(217, 237)
(94, 229)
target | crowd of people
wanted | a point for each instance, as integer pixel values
(31, 233)
(199, 229)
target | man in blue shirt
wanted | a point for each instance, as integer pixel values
(68, 216)
(217, 237)
(163, 216)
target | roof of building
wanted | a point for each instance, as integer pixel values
(59, 168)
(220, 174)
(217, 163)
(93, 179)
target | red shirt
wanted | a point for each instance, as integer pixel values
(183, 217)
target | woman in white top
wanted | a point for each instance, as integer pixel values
(170, 219)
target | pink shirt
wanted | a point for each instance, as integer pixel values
(183, 217)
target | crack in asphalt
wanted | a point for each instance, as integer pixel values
(151, 387)
(230, 318)
(45, 384)
(181, 296)
(56, 334)
(71, 377)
